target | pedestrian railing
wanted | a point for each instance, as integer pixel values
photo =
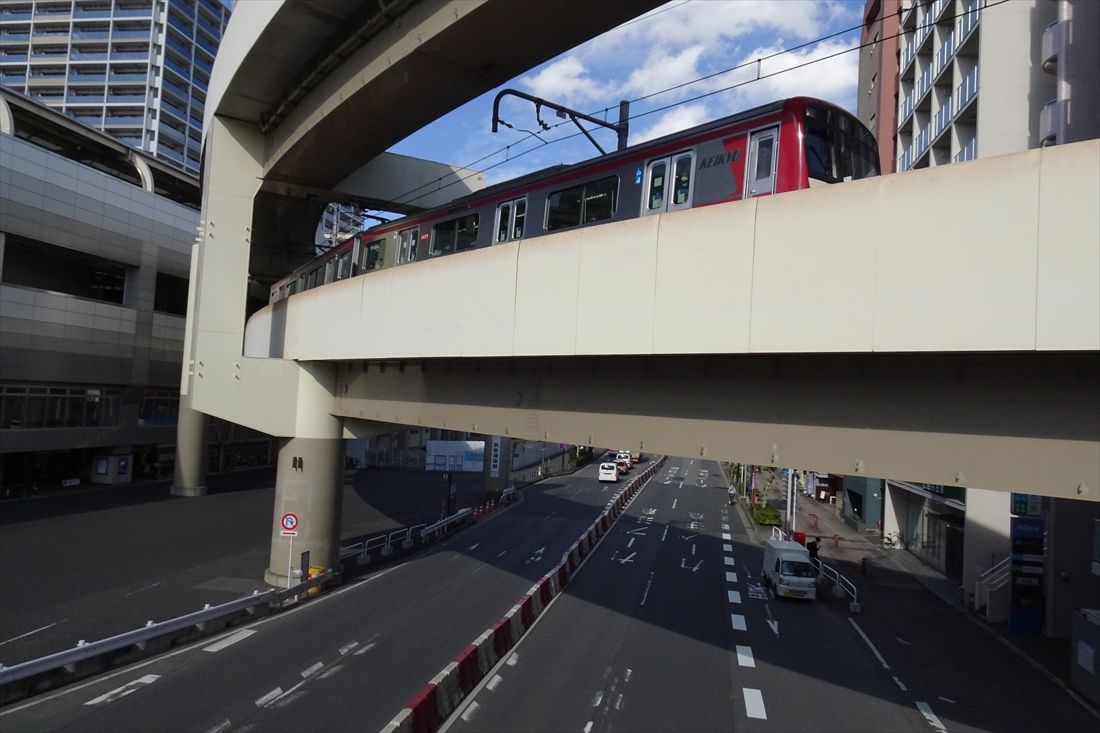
(991, 580)
(841, 585)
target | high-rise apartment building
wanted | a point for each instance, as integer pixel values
(877, 101)
(135, 69)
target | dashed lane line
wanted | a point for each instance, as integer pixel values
(744, 656)
(754, 703)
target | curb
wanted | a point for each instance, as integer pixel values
(441, 697)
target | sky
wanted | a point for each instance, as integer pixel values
(675, 43)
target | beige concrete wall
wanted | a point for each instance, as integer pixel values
(1014, 266)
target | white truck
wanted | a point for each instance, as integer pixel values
(787, 568)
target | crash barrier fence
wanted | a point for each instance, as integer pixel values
(841, 585)
(88, 658)
(430, 707)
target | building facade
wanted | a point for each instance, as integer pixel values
(95, 251)
(135, 69)
(976, 78)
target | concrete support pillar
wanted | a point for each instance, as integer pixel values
(309, 484)
(497, 474)
(190, 471)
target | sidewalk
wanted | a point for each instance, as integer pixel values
(844, 547)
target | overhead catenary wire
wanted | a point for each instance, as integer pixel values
(512, 156)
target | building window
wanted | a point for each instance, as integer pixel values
(35, 264)
(159, 407)
(57, 406)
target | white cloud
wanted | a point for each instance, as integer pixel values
(833, 79)
(664, 69)
(567, 82)
(676, 119)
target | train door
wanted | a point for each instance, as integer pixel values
(669, 184)
(406, 245)
(761, 168)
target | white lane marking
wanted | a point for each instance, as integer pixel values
(597, 698)
(631, 543)
(737, 621)
(728, 560)
(901, 685)
(734, 596)
(873, 649)
(230, 640)
(473, 546)
(365, 649)
(224, 725)
(628, 558)
(502, 553)
(331, 671)
(269, 697)
(127, 689)
(42, 628)
(754, 703)
(935, 722)
(726, 527)
(947, 699)
(513, 660)
(495, 682)
(645, 595)
(348, 647)
(744, 656)
(619, 702)
(727, 548)
(139, 590)
(629, 672)
(774, 626)
(674, 503)
(664, 534)
(470, 712)
(312, 669)
(588, 727)
(692, 548)
(902, 641)
(731, 577)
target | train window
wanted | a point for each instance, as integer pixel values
(313, 277)
(838, 147)
(681, 181)
(303, 282)
(504, 219)
(657, 174)
(330, 270)
(371, 255)
(511, 216)
(407, 240)
(456, 235)
(343, 265)
(519, 219)
(588, 203)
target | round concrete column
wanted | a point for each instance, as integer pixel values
(309, 484)
(190, 472)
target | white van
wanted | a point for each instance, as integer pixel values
(622, 459)
(609, 472)
(787, 568)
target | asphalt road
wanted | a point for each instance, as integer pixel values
(98, 563)
(349, 660)
(667, 628)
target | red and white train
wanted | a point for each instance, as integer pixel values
(784, 146)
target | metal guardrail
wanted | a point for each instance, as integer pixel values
(995, 578)
(460, 516)
(840, 583)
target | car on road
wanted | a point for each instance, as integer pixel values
(623, 459)
(609, 472)
(788, 569)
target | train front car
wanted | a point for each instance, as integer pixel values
(827, 144)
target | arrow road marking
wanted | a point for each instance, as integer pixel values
(774, 626)
(473, 546)
(127, 689)
(694, 569)
(628, 558)
(640, 531)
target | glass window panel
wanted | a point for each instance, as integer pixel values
(764, 157)
(656, 187)
(466, 233)
(443, 238)
(504, 216)
(682, 181)
(521, 218)
(599, 200)
(12, 411)
(564, 208)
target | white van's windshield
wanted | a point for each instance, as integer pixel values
(796, 569)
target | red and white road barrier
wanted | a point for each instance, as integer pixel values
(427, 710)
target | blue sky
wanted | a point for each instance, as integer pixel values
(672, 44)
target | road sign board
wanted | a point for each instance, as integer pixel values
(289, 524)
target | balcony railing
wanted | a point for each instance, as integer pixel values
(134, 12)
(924, 139)
(128, 77)
(87, 78)
(968, 151)
(943, 56)
(966, 90)
(84, 14)
(84, 99)
(923, 84)
(13, 16)
(129, 56)
(942, 118)
(15, 38)
(1050, 121)
(908, 54)
(906, 108)
(135, 35)
(905, 162)
(968, 21)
